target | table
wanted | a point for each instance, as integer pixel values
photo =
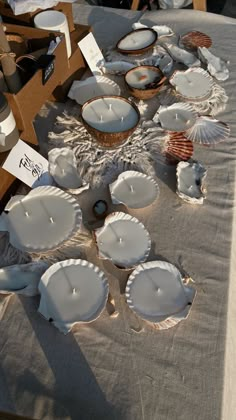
(113, 368)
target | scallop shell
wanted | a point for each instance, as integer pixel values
(138, 25)
(193, 40)
(83, 90)
(182, 56)
(180, 124)
(208, 131)
(117, 67)
(178, 147)
(190, 177)
(215, 65)
(163, 30)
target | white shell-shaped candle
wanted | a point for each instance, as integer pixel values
(72, 291)
(117, 67)
(134, 189)
(42, 220)
(83, 90)
(163, 30)
(155, 292)
(190, 177)
(193, 84)
(63, 168)
(22, 279)
(123, 239)
(177, 117)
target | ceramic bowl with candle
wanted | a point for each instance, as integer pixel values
(157, 293)
(72, 291)
(144, 82)
(137, 42)
(123, 239)
(110, 119)
(134, 189)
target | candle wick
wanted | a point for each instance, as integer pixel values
(24, 208)
(68, 280)
(131, 188)
(74, 291)
(122, 119)
(110, 107)
(176, 116)
(101, 118)
(120, 240)
(51, 220)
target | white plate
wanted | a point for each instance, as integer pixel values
(123, 239)
(177, 117)
(134, 189)
(83, 90)
(194, 84)
(42, 220)
(155, 291)
(72, 291)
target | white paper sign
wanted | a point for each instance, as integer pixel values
(28, 165)
(92, 53)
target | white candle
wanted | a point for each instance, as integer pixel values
(137, 40)
(177, 117)
(142, 76)
(192, 84)
(123, 239)
(134, 189)
(63, 168)
(115, 113)
(72, 291)
(53, 216)
(55, 21)
(155, 289)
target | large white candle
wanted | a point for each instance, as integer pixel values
(55, 21)
(134, 189)
(155, 289)
(123, 239)
(72, 291)
(43, 219)
(193, 83)
(110, 114)
(138, 39)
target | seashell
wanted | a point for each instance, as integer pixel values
(178, 147)
(117, 67)
(83, 90)
(138, 25)
(208, 131)
(163, 30)
(182, 56)
(190, 177)
(177, 117)
(22, 279)
(63, 168)
(137, 42)
(156, 292)
(215, 65)
(193, 84)
(193, 40)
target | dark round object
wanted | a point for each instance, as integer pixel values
(100, 209)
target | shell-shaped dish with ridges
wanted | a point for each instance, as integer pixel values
(177, 117)
(37, 226)
(156, 292)
(194, 39)
(72, 291)
(134, 189)
(208, 131)
(178, 147)
(193, 84)
(123, 239)
(190, 177)
(83, 90)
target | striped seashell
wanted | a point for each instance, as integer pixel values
(177, 147)
(208, 131)
(193, 40)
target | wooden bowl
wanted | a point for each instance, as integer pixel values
(140, 50)
(108, 139)
(150, 90)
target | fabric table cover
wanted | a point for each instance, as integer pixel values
(121, 368)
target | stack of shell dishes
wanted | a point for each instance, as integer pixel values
(137, 42)
(123, 239)
(110, 119)
(193, 40)
(144, 82)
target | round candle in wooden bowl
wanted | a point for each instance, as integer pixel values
(72, 291)
(134, 189)
(123, 239)
(137, 41)
(110, 119)
(155, 291)
(144, 82)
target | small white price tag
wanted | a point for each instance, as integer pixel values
(28, 165)
(92, 53)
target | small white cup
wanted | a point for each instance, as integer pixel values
(55, 21)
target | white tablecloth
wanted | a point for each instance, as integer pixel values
(112, 368)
